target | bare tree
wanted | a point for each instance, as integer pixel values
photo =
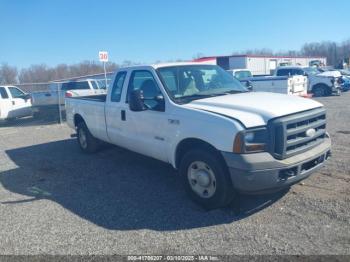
(8, 74)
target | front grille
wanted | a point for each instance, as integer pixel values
(297, 133)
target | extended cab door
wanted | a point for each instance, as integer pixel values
(5, 103)
(115, 111)
(20, 106)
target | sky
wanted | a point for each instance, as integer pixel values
(67, 31)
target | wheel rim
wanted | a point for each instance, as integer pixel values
(319, 92)
(201, 179)
(82, 138)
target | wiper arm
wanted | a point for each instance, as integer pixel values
(235, 92)
(197, 96)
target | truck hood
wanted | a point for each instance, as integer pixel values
(330, 74)
(254, 109)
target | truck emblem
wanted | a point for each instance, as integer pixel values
(310, 132)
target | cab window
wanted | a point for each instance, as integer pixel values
(284, 72)
(118, 87)
(15, 92)
(3, 93)
(144, 80)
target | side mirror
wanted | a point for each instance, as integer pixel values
(25, 97)
(136, 102)
(249, 85)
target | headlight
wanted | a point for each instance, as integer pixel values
(250, 141)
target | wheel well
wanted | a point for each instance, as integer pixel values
(191, 143)
(326, 87)
(78, 119)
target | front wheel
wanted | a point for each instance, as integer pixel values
(206, 179)
(87, 143)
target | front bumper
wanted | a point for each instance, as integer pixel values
(336, 89)
(261, 172)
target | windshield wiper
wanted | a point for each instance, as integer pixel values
(235, 91)
(186, 99)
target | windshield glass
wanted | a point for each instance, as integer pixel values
(312, 70)
(190, 82)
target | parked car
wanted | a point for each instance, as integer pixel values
(345, 72)
(241, 74)
(202, 121)
(320, 84)
(50, 101)
(345, 86)
(289, 85)
(14, 103)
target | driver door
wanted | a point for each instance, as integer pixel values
(146, 130)
(19, 105)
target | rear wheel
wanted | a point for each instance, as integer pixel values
(320, 90)
(87, 143)
(206, 179)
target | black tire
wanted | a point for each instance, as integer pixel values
(320, 90)
(224, 192)
(91, 144)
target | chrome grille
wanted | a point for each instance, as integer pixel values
(289, 134)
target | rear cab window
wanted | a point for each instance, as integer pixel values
(242, 74)
(118, 86)
(75, 85)
(284, 72)
(94, 85)
(3, 93)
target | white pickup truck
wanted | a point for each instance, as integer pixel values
(319, 84)
(14, 103)
(47, 101)
(289, 85)
(205, 123)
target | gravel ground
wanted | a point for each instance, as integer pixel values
(56, 200)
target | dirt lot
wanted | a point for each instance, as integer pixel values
(56, 200)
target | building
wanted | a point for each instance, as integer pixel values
(260, 64)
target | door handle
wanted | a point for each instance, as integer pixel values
(13, 103)
(123, 116)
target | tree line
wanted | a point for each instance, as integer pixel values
(336, 53)
(42, 73)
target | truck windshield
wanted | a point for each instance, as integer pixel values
(190, 82)
(312, 70)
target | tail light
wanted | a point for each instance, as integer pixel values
(68, 94)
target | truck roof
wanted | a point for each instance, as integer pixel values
(8, 86)
(160, 65)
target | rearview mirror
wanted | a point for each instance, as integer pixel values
(136, 102)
